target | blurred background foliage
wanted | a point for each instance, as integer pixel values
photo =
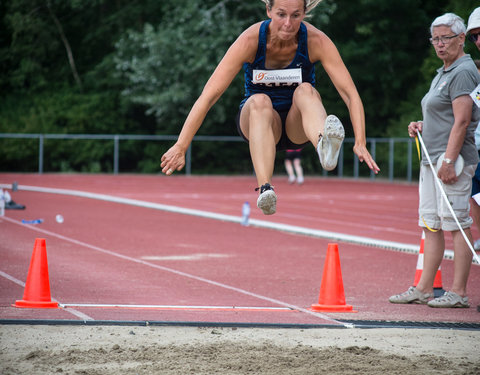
(137, 66)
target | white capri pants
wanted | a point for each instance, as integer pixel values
(433, 210)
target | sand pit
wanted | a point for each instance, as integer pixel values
(190, 350)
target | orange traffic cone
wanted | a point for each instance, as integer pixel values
(332, 294)
(437, 283)
(37, 287)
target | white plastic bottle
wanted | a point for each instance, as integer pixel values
(2, 203)
(245, 214)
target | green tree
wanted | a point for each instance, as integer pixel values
(165, 67)
(46, 49)
(382, 43)
(142, 63)
(409, 108)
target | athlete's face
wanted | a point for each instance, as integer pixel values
(286, 16)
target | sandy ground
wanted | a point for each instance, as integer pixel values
(190, 350)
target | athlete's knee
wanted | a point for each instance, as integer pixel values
(260, 102)
(305, 88)
(258, 113)
(306, 91)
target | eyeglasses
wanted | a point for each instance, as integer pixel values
(443, 39)
(473, 37)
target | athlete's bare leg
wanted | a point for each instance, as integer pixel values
(261, 125)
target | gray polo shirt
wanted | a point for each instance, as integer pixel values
(459, 79)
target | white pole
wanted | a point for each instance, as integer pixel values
(439, 183)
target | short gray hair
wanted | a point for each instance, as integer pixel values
(451, 20)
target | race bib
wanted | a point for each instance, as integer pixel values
(281, 77)
(475, 95)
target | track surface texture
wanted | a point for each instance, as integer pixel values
(136, 248)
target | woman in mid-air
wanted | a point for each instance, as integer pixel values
(281, 109)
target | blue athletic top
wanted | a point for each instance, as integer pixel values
(280, 94)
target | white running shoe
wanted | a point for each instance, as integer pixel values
(328, 147)
(267, 200)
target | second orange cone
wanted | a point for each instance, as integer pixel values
(332, 294)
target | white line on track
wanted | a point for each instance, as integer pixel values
(180, 273)
(332, 236)
(13, 279)
(176, 307)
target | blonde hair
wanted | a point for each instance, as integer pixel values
(308, 4)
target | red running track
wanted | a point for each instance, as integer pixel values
(166, 266)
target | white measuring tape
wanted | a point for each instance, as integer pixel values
(444, 195)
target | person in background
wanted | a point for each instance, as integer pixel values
(281, 108)
(473, 31)
(475, 207)
(448, 126)
(293, 164)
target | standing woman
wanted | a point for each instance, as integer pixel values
(281, 109)
(448, 127)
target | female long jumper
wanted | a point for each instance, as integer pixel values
(282, 109)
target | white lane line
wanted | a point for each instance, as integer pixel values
(180, 273)
(186, 257)
(13, 279)
(177, 307)
(78, 314)
(334, 236)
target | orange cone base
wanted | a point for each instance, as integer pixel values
(333, 308)
(36, 305)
